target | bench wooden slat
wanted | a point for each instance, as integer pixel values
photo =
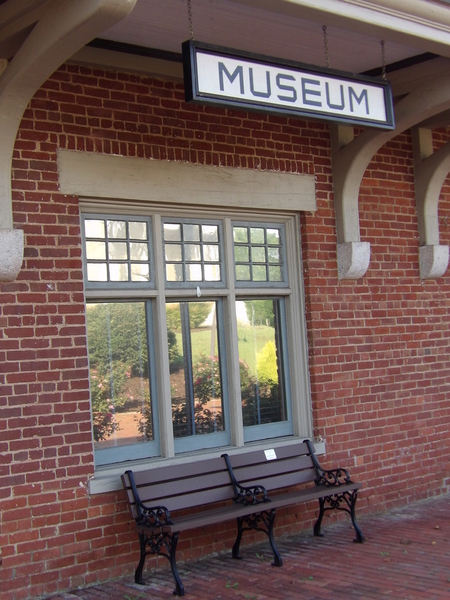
(263, 471)
(158, 493)
(163, 473)
(275, 482)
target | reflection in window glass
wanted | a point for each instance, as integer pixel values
(195, 373)
(117, 251)
(119, 374)
(258, 254)
(260, 362)
(196, 246)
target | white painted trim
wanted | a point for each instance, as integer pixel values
(104, 176)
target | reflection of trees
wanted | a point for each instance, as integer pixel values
(117, 352)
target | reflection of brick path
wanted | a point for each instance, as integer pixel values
(127, 434)
(406, 556)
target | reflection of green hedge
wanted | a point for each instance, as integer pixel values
(266, 364)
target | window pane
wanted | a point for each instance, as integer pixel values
(240, 234)
(94, 228)
(212, 273)
(261, 260)
(198, 247)
(241, 254)
(194, 273)
(242, 273)
(140, 272)
(172, 232)
(138, 230)
(118, 272)
(260, 362)
(111, 241)
(174, 272)
(117, 229)
(173, 252)
(259, 273)
(192, 252)
(138, 252)
(211, 253)
(210, 233)
(96, 250)
(191, 233)
(275, 274)
(257, 235)
(258, 254)
(97, 272)
(274, 255)
(273, 237)
(119, 374)
(195, 373)
(117, 251)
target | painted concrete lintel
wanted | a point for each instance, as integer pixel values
(11, 252)
(353, 259)
(433, 261)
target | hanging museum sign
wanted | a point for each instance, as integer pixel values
(224, 77)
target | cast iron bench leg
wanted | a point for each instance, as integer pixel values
(318, 523)
(237, 543)
(179, 588)
(254, 521)
(138, 573)
(157, 542)
(335, 502)
(359, 533)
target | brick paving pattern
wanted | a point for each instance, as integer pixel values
(406, 556)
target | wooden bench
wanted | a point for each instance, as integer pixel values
(166, 500)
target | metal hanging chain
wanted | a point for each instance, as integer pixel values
(383, 60)
(325, 43)
(191, 28)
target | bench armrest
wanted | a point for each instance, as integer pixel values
(153, 516)
(328, 477)
(255, 494)
(148, 516)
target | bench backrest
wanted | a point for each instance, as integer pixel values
(181, 486)
(190, 485)
(292, 466)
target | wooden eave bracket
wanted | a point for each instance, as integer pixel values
(350, 158)
(62, 28)
(430, 171)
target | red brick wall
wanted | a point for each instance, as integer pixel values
(379, 346)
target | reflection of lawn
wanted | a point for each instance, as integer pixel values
(251, 341)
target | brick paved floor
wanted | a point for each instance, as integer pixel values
(406, 557)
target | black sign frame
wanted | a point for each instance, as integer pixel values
(193, 94)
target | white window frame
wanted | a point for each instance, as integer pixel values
(295, 334)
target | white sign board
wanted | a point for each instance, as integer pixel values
(224, 77)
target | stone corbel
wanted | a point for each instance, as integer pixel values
(61, 28)
(431, 170)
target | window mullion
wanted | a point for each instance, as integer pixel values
(231, 341)
(297, 344)
(161, 345)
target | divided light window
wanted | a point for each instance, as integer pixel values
(180, 312)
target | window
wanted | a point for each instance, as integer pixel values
(194, 332)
